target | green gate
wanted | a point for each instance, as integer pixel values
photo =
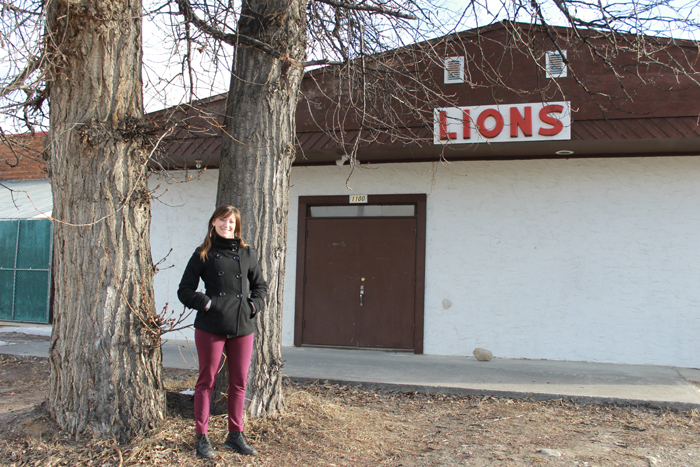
(25, 270)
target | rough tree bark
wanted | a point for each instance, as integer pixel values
(258, 150)
(105, 354)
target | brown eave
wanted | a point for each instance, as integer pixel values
(594, 138)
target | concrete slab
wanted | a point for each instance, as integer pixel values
(690, 374)
(180, 354)
(33, 349)
(539, 379)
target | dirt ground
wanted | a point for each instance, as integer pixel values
(331, 425)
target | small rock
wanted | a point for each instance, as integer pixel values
(482, 355)
(446, 303)
(652, 460)
(550, 452)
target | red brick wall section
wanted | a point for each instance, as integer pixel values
(21, 157)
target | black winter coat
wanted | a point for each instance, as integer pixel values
(232, 279)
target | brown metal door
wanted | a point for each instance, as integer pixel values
(332, 264)
(339, 254)
(388, 264)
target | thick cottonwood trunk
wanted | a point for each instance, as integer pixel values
(105, 357)
(257, 154)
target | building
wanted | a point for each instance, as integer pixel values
(535, 218)
(537, 210)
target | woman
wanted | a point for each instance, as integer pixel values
(235, 293)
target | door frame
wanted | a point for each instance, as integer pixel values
(419, 200)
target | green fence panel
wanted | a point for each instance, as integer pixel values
(34, 244)
(25, 270)
(8, 243)
(31, 296)
(6, 284)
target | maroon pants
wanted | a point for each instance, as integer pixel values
(210, 349)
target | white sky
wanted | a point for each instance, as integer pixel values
(164, 82)
(163, 79)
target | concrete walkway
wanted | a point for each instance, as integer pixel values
(539, 379)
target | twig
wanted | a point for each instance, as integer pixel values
(504, 418)
(371, 8)
(119, 454)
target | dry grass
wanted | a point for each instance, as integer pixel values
(332, 425)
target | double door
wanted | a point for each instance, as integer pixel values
(359, 286)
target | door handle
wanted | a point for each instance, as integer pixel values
(362, 292)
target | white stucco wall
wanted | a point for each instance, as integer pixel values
(582, 259)
(179, 219)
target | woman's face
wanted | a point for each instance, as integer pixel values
(225, 226)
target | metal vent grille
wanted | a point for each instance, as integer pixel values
(555, 65)
(454, 70)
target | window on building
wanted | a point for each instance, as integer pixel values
(555, 64)
(364, 210)
(454, 70)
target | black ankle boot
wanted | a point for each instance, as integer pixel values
(237, 442)
(204, 448)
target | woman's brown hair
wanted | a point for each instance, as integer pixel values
(222, 212)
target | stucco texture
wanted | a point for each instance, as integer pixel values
(180, 213)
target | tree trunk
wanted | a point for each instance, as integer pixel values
(105, 354)
(256, 159)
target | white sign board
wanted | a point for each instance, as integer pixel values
(549, 121)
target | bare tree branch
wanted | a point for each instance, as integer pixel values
(370, 8)
(322, 61)
(18, 82)
(228, 38)
(10, 6)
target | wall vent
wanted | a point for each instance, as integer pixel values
(454, 70)
(554, 64)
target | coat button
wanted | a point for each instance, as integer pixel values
(239, 275)
(236, 257)
(218, 255)
(239, 295)
(221, 273)
(221, 294)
